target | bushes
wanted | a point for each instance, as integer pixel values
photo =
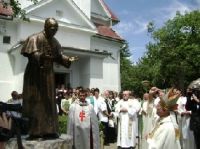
(62, 122)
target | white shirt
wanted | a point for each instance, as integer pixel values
(101, 106)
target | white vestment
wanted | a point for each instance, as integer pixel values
(83, 126)
(148, 120)
(144, 124)
(127, 123)
(163, 135)
(184, 122)
(137, 106)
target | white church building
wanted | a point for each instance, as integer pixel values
(85, 30)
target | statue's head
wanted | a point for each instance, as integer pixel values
(50, 27)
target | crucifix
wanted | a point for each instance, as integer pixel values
(82, 115)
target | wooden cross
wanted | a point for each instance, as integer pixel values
(82, 115)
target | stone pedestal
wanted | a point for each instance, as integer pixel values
(63, 142)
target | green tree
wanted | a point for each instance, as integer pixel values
(16, 7)
(173, 58)
(180, 49)
(125, 67)
(129, 79)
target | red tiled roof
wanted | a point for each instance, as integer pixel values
(107, 31)
(6, 10)
(113, 16)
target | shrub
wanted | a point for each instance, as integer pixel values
(62, 121)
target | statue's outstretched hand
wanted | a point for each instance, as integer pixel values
(73, 58)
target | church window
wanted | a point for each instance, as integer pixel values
(59, 13)
(6, 39)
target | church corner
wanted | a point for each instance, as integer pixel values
(85, 30)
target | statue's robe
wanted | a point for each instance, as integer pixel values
(39, 103)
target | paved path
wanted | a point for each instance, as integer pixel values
(113, 146)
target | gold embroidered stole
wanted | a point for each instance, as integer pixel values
(151, 134)
(130, 125)
(130, 128)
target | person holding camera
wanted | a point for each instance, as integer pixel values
(193, 104)
(5, 133)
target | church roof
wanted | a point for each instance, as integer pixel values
(107, 31)
(6, 11)
(113, 16)
(79, 51)
(70, 51)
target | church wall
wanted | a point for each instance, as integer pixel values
(96, 73)
(75, 74)
(6, 77)
(85, 72)
(97, 8)
(67, 37)
(19, 63)
(26, 29)
(7, 28)
(85, 6)
(62, 12)
(111, 66)
(73, 38)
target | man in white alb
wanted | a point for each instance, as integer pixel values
(127, 114)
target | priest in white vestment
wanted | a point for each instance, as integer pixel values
(165, 134)
(83, 124)
(127, 114)
(147, 118)
(137, 106)
(187, 139)
(154, 98)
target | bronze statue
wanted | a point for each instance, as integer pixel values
(39, 104)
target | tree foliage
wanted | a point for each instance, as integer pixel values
(17, 10)
(179, 49)
(173, 58)
(125, 67)
(129, 79)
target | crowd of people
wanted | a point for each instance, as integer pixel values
(159, 120)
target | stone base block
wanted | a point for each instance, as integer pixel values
(63, 142)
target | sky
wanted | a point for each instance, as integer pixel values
(134, 16)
